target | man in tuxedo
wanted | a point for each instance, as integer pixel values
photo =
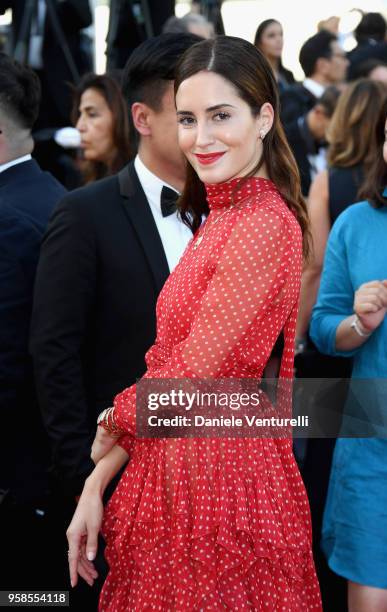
(307, 137)
(27, 199)
(49, 41)
(106, 255)
(324, 64)
(127, 29)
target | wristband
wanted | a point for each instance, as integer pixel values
(356, 326)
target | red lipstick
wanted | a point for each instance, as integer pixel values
(209, 158)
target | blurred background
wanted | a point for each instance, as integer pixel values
(239, 17)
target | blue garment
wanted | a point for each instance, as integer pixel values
(354, 535)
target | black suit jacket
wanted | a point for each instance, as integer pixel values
(72, 15)
(296, 101)
(296, 139)
(125, 32)
(101, 269)
(27, 198)
(362, 53)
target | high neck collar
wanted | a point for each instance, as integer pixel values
(222, 195)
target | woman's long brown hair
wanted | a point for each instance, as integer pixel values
(376, 178)
(111, 92)
(351, 137)
(248, 71)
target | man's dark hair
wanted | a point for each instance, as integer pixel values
(149, 69)
(152, 65)
(372, 26)
(19, 92)
(314, 48)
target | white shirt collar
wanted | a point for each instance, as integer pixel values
(315, 88)
(14, 162)
(151, 184)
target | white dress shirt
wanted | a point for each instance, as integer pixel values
(315, 88)
(14, 162)
(318, 161)
(173, 233)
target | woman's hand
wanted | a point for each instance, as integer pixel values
(103, 443)
(82, 536)
(370, 304)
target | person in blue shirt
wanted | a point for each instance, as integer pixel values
(349, 319)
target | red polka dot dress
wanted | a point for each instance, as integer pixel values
(217, 524)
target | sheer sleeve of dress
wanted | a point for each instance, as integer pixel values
(251, 273)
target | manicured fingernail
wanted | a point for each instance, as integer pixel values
(90, 555)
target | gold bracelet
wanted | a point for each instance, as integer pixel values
(106, 420)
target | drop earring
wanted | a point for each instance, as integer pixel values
(262, 134)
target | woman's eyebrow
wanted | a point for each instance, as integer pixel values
(88, 107)
(208, 110)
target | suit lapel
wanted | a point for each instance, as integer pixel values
(137, 209)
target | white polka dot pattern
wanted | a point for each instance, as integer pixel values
(217, 524)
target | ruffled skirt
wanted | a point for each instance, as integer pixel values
(210, 525)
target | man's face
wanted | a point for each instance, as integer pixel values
(163, 139)
(337, 64)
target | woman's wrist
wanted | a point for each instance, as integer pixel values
(95, 483)
(105, 470)
(362, 327)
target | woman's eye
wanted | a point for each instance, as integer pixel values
(221, 116)
(186, 120)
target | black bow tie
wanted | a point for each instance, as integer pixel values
(168, 201)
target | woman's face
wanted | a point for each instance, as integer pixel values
(272, 42)
(385, 143)
(95, 124)
(216, 129)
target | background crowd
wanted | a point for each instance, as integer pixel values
(90, 173)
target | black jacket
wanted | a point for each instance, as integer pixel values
(27, 199)
(302, 145)
(296, 101)
(73, 16)
(101, 269)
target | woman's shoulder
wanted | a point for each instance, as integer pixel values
(271, 212)
(358, 223)
(357, 214)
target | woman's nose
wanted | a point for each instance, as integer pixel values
(81, 125)
(204, 135)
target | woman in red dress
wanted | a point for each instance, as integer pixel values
(220, 523)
